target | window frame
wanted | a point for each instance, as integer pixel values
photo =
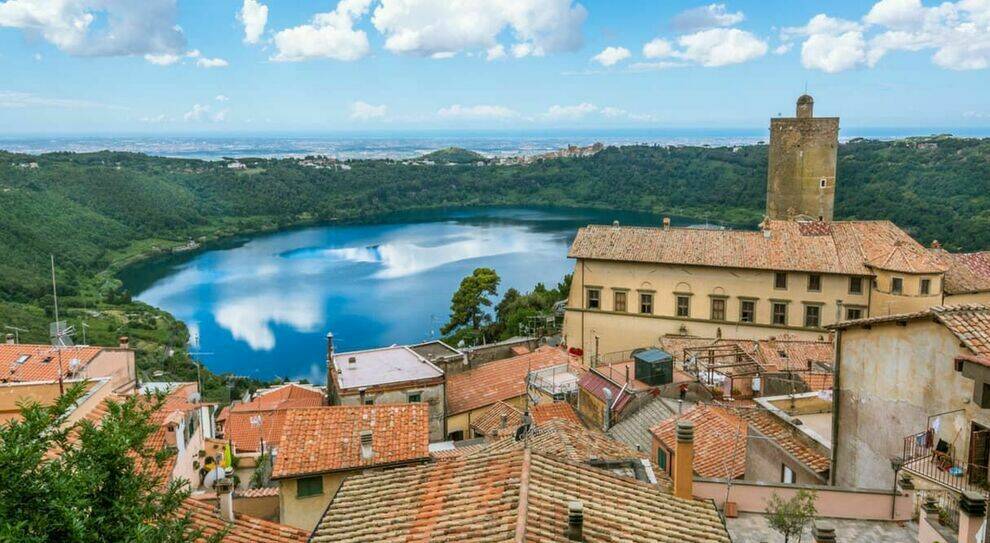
(718, 299)
(858, 309)
(625, 301)
(299, 486)
(742, 310)
(687, 305)
(663, 459)
(925, 287)
(777, 276)
(856, 281)
(597, 298)
(814, 277)
(773, 313)
(807, 313)
(784, 470)
(417, 395)
(642, 297)
(897, 285)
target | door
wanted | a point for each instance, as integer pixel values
(979, 454)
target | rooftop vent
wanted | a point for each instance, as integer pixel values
(575, 521)
(666, 223)
(21, 359)
(352, 362)
(366, 451)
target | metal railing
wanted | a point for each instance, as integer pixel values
(947, 503)
(923, 459)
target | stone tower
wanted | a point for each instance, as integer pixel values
(801, 172)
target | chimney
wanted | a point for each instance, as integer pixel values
(225, 494)
(823, 534)
(505, 421)
(684, 460)
(352, 362)
(10, 339)
(575, 521)
(124, 342)
(607, 392)
(366, 452)
(666, 223)
(936, 244)
(329, 348)
(972, 511)
(615, 224)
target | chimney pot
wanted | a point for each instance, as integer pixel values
(575, 521)
(823, 534)
(684, 460)
(124, 342)
(505, 421)
(10, 339)
(666, 223)
(329, 346)
(225, 495)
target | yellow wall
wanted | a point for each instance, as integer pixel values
(305, 513)
(972, 298)
(884, 302)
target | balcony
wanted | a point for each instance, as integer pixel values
(929, 458)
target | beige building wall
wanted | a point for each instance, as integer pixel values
(622, 331)
(432, 395)
(765, 461)
(305, 513)
(891, 378)
(884, 301)
(969, 298)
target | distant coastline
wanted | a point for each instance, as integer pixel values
(408, 144)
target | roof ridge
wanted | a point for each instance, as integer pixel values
(523, 509)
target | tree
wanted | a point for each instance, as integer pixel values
(468, 303)
(82, 482)
(790, 517)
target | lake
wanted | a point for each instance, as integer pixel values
(262, 306)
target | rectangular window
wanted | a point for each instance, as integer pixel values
(814, 283)
(855, 285)
(619, 301)
(661, 459)
(309, 486)
(926, 287)
(780, 314)
(786, 475)
(896, 285)
(683, 306)
(646, 303)
(718, 309)
(780, 280)
(456, 436)
(594, 298)
(415, 397)
(747, 311)
(812, 316)
(853, 313)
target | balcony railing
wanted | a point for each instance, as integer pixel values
(922, 458)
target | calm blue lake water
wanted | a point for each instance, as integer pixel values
(263, 306)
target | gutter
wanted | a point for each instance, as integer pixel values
(836, 395)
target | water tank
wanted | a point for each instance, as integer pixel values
(654, 367)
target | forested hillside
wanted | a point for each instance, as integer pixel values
(95, 212)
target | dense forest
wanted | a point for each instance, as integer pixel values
(96, 212)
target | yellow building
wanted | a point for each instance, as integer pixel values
(321, 446)
(633, 285)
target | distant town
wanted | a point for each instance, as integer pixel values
(813, 377)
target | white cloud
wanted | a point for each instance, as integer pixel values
(657, 48)
(363, 111)
(958, 34)
(13, 99)
(254, 16)
(222, 98)
(99, 27)
(328, 35)
(211, 63)
(495, 52)
(220, 116)
(721, 47)
(611, 56)
(458, 111)
(197, 113)
(572, 113)
(782, 48)
(164, 59)
(653, 66)
(426, 27)
(704, 17)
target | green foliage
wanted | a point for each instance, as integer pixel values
(98, 487)
(791, 517)
(456, 155)
(467, 306)
(262, 475)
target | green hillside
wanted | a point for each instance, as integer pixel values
(455, 155)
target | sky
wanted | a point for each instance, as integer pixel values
(267, 66)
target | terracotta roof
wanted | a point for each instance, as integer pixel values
(245, 529)
(263, 492)
(40, 362)
(571, 441)
(719, 440)
(515, 495)
(283, 397)
(845, 247)
(497, 381)
(674, 345)
(490, 423)
(772, 427)
(817, 380)
(595, 384)
(240, 430)
(969, 322)
(458, 452)
(543, 413)
(325, 439)
(794, 355)
(968, 272)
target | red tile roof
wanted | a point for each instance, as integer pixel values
(268, 410)
(497, 381)
(719, 440)
(844, 247)
(326, 439)
(490, 423)
(795, 355)
(515, 495)
(42, 362)
(770, 426)
(245, 529)
(968, 272)
(543, 413)
(596, 384)
(969, 322)
(283, 397)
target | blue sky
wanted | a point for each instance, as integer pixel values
(160, 66)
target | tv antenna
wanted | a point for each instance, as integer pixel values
(199, 366)
(17, 331)
(59, 331)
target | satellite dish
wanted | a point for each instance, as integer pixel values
(73, 365)
(213, 476)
